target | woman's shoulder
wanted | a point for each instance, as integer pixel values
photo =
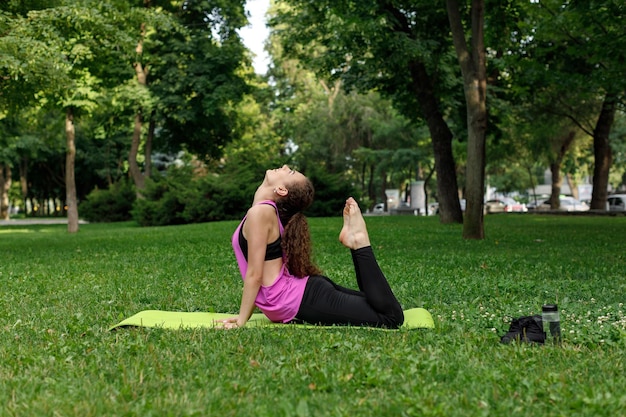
(263, 209)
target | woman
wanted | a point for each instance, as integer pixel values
(273, 250)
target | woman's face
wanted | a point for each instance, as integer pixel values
(283, 176)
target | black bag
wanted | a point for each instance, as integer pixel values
(527, 329)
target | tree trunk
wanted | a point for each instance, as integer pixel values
(423, 87)
(5, 186)
(142, 75)
(371, 192)
(474, 69)
(602, 153)
(331, 93)
(24, 178)
(384, 188)
(555, 168)
(426, 185)
(133, 166)
(531, 178)
(70, 182)
(555, 191)
(148, 147)
(447, 188)
(573, 187)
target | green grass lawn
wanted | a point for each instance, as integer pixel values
(59, 294)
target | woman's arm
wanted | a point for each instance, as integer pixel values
(257, 228)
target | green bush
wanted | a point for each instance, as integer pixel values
(331, 191)
(180, 197)
(111, 205)
(161, 204)
(222, 198)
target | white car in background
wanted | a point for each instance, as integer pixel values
(566, 204)
(379, 208)
(616, 202)
(504, 205)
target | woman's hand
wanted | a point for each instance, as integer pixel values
(230, 323)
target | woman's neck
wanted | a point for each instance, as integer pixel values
(263, 194)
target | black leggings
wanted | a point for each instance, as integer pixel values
(375, 305)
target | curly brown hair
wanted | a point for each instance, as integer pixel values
(296, 240)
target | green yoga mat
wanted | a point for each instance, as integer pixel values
(414, 318)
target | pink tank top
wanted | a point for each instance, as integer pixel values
(280, 301)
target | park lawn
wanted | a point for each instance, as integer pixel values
(59, 294)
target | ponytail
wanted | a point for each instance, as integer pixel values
(296, 239)
(297, 248)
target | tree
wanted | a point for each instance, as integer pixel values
(28, 65)
(581, 44)
(400, 49)
(141, 72)
(83, 33)
(199, 72)
(337, 130)
(474, 69)
(5, 183)
(618, 146)
(190, 65)
(190, 57)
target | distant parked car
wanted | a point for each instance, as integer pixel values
(379, 208)
(617, 202)
(566, 204)
(504, 205)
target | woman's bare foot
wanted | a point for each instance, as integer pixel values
(353, 234)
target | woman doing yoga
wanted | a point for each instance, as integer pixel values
(273, 249)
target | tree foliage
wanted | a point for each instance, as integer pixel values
(572, 55)
(400, 49)
(362, 96)
(79, 56)
(198, 72)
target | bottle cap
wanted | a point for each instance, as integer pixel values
(550, 307)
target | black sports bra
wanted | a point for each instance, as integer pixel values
(273, 250)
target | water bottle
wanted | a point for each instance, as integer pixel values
(551, 322)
